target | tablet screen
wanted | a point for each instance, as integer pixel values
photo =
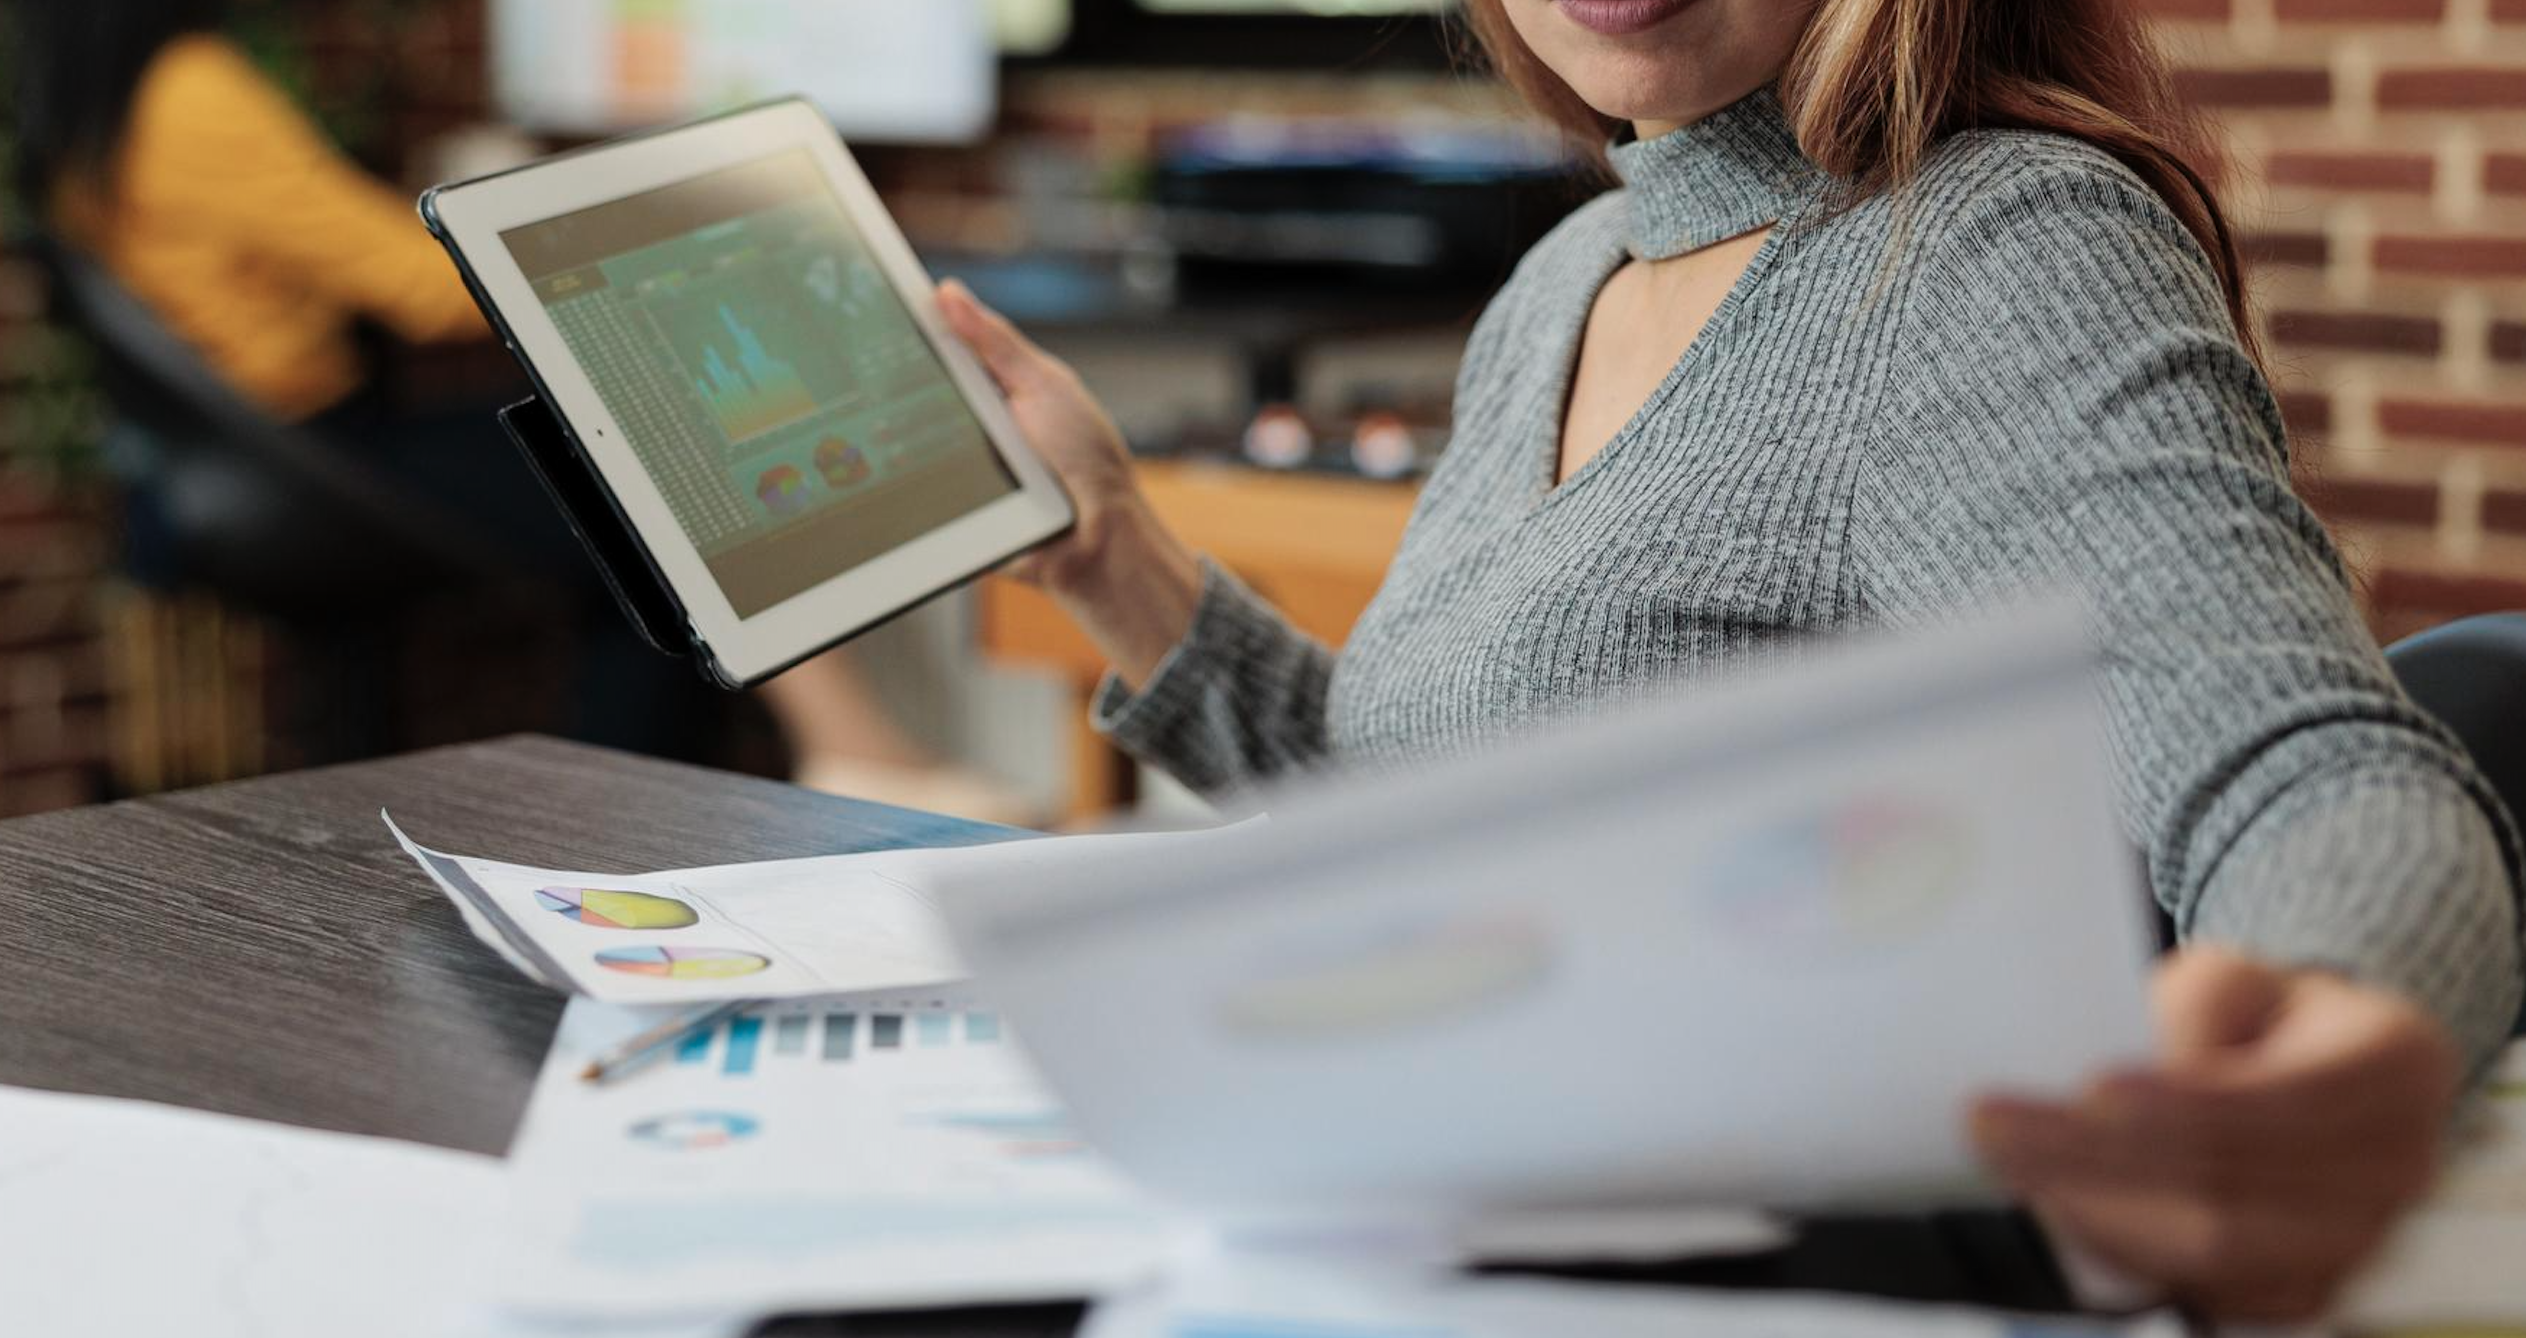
(765, 373)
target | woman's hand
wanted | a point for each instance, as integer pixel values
(1127, 580)
(2293, 1117)
(1061, 420)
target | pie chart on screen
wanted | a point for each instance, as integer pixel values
(604, 908)
(683, 963)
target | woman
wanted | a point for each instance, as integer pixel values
(1908, 305)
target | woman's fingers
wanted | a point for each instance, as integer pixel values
(2293, 1118)
(2163, 1129)
(2208, 1000)
(2254, 1264)
(1008, 355)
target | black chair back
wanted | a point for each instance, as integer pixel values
(2471, 674)
(269, 516)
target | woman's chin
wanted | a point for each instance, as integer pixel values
(1644, 90)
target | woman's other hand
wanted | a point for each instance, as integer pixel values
(1127, 580)
(2292, 1119)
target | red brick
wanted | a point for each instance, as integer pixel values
(42, 740)
(41, 549)
(2283, 248)
(2489, 422)
(2504, 173)
(2473, 257)
(2391, 173)
(22, 793)
(2358, 332)
(45, 612)
(2505, 509)
(2452, 88)
(2373, 501)
(2509, 11)
(2256, 88)
(2360, 11)
(2447, 594)
(2306, 411)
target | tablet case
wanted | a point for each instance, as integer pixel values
(645, 599)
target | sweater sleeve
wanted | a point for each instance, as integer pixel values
(2069, 410)
(1238, 703)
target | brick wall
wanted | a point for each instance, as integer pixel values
(2378, 170)
(53, 666)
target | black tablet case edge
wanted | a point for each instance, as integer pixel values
(651, 607)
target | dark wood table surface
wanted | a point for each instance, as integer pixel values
(264, 949)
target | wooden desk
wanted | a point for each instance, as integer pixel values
(263, 949)
(1315, 545)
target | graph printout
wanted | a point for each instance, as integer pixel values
(819, 1153)
(740, 931)
(764, 373)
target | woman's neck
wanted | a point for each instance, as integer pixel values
(1645, 130)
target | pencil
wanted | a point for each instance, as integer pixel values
(657, 1040)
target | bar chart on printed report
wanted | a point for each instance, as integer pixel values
(860, 1147)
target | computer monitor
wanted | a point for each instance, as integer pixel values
(1326, 9)
(1347, 35)
(911, 71)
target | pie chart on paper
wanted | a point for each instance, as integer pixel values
(683, 963)
(604, 908)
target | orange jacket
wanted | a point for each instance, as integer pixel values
(254, 239)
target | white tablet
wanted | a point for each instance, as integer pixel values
(745, 354)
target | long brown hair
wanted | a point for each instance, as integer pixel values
(1874, 85)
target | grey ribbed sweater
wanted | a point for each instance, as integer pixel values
(2019, 377)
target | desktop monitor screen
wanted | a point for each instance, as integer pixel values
(886, 70)
(1332, 9)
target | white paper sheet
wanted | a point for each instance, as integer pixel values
(121, 1218)
(1246, 1297)
(1760, 947)
(2461, 1260)
(857, 1152)
(780, 929)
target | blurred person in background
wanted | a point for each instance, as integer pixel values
(152, 142)
(1906, 308)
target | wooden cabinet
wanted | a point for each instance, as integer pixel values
(1315, 545)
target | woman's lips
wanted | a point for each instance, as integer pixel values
(1621, 18)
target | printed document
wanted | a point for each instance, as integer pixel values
(1759, 946)
(779, 929)
(847, 1152)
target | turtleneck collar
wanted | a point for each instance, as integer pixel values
(1727, 174)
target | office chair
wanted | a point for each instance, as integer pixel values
(269, 516)
(2471, 674)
